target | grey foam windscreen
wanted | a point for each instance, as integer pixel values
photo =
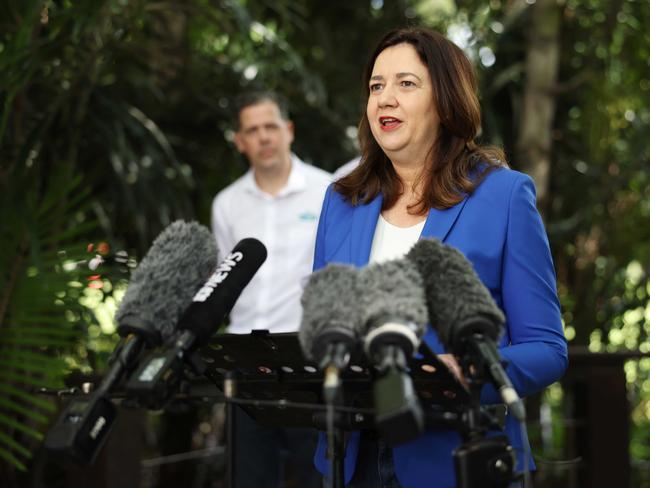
(329, 300)
(392, 290)
(179, 261)
(455, 294)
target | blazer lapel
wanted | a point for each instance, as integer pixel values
(364, 222)
(440, 222)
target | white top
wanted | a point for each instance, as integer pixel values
(392, 242)
(286, 225)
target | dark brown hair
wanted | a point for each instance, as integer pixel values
(247, 99)
(458, 164)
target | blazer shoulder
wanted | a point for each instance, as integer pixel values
(504, 178)
(500, 184)
(336, 202)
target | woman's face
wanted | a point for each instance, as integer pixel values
(401, 111)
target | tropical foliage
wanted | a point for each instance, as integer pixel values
(116, 120)
(40, 312)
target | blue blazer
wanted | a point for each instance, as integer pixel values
(500, 231)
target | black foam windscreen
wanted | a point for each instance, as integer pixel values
(392, 290)
(330, 308)
(179, 261)
(458, 302)
(218, 295)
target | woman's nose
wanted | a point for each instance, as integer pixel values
(387, 97)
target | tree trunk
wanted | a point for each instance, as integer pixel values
(538, 105)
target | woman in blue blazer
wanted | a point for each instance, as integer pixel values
(423, 175)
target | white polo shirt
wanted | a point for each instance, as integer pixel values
(286, 225)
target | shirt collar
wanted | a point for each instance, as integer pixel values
(296, 182)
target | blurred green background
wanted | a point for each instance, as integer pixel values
(116, 120)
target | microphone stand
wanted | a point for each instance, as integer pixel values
(481, 462)
(229, 392)
(338, 358)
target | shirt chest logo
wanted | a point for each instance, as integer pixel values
(307, 217)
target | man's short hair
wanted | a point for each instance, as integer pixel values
(247, 99)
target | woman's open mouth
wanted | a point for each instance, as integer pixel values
(389, 123)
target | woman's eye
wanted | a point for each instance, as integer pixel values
(375, 87)
(407, 83)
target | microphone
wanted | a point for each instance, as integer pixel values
(179, 261)
(394, 317)
(330, 323)
(161, 287)
(328, 333)
(155, 380)
(461, 308)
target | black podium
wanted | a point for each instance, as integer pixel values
(268, 377)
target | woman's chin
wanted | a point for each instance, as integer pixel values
(395, 151)
(390, 143)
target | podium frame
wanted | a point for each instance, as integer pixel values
(267, 375)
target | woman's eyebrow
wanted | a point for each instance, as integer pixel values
(405, 74)
(398, 76)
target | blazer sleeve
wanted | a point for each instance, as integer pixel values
(319, 249)
(536, 355)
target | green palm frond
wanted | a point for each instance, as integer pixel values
(43, 226)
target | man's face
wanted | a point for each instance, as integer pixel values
(264, 137)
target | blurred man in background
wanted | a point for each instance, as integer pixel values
(278, 201)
